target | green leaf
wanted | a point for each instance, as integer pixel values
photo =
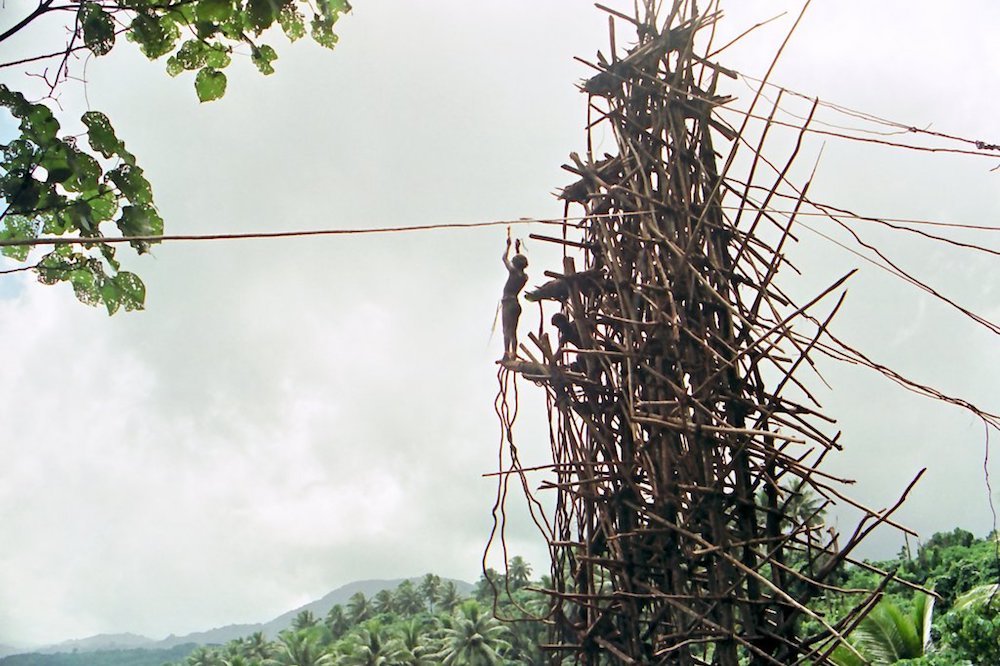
(55, 161)
(322, 31)
(210, 84)
(133, 291)
(19, 156)
(263, 13)
(140, 221)
(181, 13)
(98, 29)
(87, 281)
(39, 125)
(103, 205)
(206, 29)
(57, 264)
(111, 295)
(132, 184)
(334, 8)
(977, 596)
(214, 10)
(52, 223)
(191, 55)
(217, 56)
(17, 227)
(14, 101)
(174, 66)
(843, 656)
(24, 193)
(887, 635)
(133, 222)
(195, 54)
(263, 56)
(77, 216)
(49, 269)
(292, 22)
(108, 252)
(59, 174)
(86, 172)
(922, 616)
(156, 35)
(102, 137)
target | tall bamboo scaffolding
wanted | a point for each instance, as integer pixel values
(683, 441)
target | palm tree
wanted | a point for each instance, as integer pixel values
(978, 596)
(408, 599)
(368, 646)
(414, 640)
(359, 608)
(300, 648)
(336, 622)
(489, 584)
(887, 634)
(238, 660)
(304, 620)
(235, 654)
(798, 506)
(518, 572)
(231, 650)
(448, 597)
(203, 656)
(804, 506)
(430, 587)
(256, 647)
(383, 602)
(474, 638)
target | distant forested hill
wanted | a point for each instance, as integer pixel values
(134, 657)
(138, 650)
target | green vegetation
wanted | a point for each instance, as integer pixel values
(134, 657)
(887, 635)
(428, 622)
(961, 627)
(422, 623)
(54, 183)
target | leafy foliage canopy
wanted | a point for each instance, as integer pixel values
(57, 184)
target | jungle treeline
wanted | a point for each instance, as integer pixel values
(427, 621)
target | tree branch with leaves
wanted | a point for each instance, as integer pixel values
(56, 184)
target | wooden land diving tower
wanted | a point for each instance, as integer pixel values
(680, 434)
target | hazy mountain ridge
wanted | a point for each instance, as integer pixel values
(123, 657)
(219, 635)
(126, 641)
(216, 636)
(369, 588)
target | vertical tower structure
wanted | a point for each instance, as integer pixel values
(685, 449)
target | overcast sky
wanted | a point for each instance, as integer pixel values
(287, 416)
